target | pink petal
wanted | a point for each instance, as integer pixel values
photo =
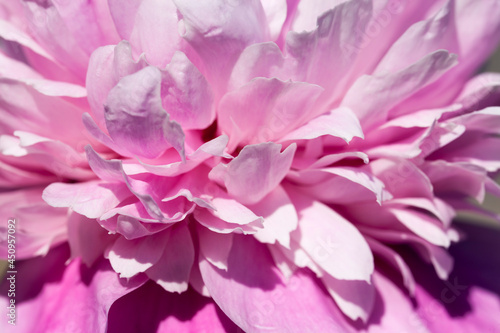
(265, 110)
(422, 225)
(30, 151)
(458, 177)
(439, 257)
(385, 91)
(27, 209)
(37, 104)
(260, 298)
(215, 247)
(361, 185)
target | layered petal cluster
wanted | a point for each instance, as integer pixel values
(274, 165)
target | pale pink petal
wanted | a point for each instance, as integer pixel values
(80, 231)
(131, 257)
(64, 297)
(402, 178)
(215, 247)
(216, 224)
(12, 33)
(339, 122)
(16, 69)
(258, 60)
(186, 94)
(37, 109)
(255, 172)
(173, 268)
(48, 24)
(476, 44)
(422, 225)
(135, 118)
(435, 33)
(322, 56)
(91, 199)
(275, 11)
(474, 148)
(439, 257)
(280, 217)
(307, 13)
(150, 26)
(355, 298)
(219, 31)
(459, 177)
(331, 241)
(361, 185)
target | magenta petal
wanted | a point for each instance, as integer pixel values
(64, 297)
(152, 309)
(261, 299)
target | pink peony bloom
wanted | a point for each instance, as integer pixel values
(277, 165)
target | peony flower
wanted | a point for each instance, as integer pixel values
(286, 166)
